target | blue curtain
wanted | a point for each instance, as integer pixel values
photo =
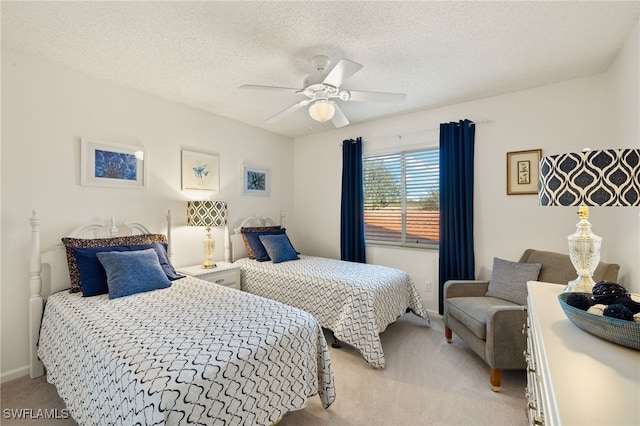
(352, 247)
(457, 259)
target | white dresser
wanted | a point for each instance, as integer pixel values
(575, 378)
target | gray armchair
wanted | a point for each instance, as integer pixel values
(491, 326)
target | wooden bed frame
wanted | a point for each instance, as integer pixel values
(56, 272)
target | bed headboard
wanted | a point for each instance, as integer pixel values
(49, 272)
(238, 249)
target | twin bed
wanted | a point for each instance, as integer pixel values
(355, 301)
(193, 352)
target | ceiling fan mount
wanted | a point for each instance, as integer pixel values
(321, 89)
(320, 63)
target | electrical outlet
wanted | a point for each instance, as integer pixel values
(427, 286)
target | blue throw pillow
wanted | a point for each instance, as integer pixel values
(93, 278)
(253, 239)
(132, 272)
(279, 248)
(161, 251)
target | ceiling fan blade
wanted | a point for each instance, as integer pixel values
(341, 72)
(355, 95)
(339, 119)
(257, 87)
(288, 111)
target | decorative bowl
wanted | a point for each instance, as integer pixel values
(621, 332)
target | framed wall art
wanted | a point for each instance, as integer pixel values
(256, 181)
(523, 168)
(112, 165)
(200, 171)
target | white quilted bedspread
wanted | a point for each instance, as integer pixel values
(354, 300)
(195, 353)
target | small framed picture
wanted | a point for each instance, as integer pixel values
(523, 169)
(112, 165)
(256, 181)
(200, 171)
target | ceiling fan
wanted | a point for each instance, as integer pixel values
(323, 89)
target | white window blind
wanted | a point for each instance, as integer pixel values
(401, 198)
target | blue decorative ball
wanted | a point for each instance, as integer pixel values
(619, 311)
(579, 301)
(633, 306)
(606, 293)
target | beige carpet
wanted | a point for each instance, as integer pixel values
(426, 382)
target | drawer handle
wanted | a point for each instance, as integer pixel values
(219, 281)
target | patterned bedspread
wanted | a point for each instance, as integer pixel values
(195, 353)
(356, 301)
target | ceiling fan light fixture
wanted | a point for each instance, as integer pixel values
(322, 110)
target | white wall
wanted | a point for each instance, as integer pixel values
(557, 118)
(624, 89)
(46, 109)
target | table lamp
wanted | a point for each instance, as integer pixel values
(609, 177)
(207, 214)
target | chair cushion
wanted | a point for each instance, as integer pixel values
(509, 280)
(472, 312)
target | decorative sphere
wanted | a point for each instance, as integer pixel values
(631, 304)
(579, 301)
(606, 293)
(618, 311)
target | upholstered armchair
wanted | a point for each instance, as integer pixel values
(489, 315)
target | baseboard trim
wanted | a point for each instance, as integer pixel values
(14, 374)
(434, 314)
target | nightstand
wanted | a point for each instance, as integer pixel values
(225, 274)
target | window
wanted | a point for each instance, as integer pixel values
(401, 198)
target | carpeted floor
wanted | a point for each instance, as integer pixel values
(426, 382)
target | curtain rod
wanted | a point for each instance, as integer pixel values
(432, 129)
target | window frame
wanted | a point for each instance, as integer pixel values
(402, 152)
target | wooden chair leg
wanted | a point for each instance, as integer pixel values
(448, 334)
(495, 378)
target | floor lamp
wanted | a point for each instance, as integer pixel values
(609, 177)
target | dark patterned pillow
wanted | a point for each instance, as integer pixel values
(258, 230)
(70, 243)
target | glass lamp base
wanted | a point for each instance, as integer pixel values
(584, 251)
(208, 265)
(582, 284)
(208, 245)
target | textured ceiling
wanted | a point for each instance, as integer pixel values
(438, 53)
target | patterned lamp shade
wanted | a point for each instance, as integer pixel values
(206, 213)
(608, 177)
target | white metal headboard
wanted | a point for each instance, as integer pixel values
(238, 249)
(56, 277)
